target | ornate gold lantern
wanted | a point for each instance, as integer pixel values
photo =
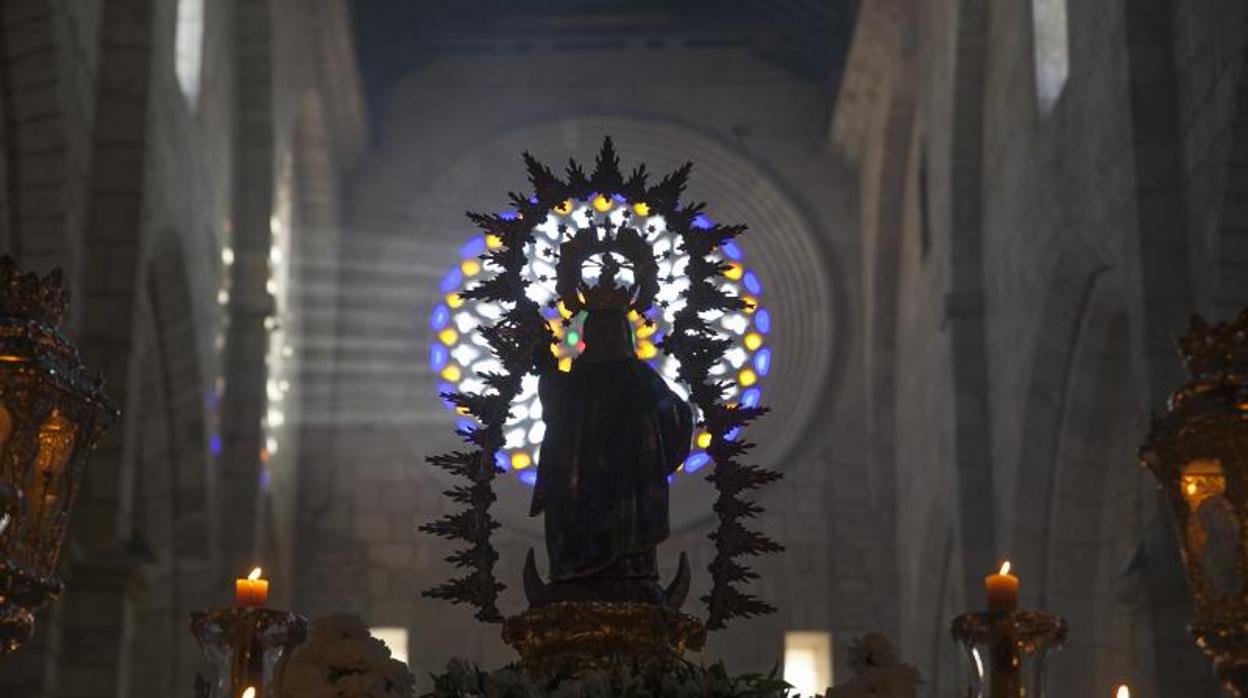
(51, 415)
(1198, 450)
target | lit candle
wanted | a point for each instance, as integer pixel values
(249, 693)
(1122, 692)
(1002, 590)
(252, 591)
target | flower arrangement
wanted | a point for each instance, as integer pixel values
(878, 673)
(342, 660)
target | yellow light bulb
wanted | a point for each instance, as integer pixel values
(747, 378)
(565, 364)
(602, 203)
(646, 330)
(452, 373)
(493, 242)
(641, 208)
(454, 300)
(564, 208)
(751, 303)
(448, 336)
(704, 440)
(753, 341)
(470, 267)
(563, 311)
(520, 460)
(646, 350)
(734, 271)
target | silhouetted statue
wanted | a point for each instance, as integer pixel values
(615, 432)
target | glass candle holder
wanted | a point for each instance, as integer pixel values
(1006, 653)
(248, 648)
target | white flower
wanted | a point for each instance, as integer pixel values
(342, 660)
(878, 673)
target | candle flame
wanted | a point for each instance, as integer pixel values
(1005, 569)
(255, 574)
(251, 692)
(1123, 692)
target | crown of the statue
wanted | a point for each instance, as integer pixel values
(24, 295)
(1209, 349)
(607, 294)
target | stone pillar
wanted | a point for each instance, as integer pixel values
(244, 400)
(97, 623)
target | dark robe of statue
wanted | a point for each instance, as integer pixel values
(614, 433)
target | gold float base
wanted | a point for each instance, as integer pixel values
(578, 637)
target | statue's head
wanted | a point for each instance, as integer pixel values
(607, 334)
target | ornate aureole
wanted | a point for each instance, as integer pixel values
(784, 248)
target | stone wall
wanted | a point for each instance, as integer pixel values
(113, 174)
(1210, 43)
(1062, 235)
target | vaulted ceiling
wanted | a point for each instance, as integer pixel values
(809, 38)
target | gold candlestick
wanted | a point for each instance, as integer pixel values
(249, 647)
(998, 646)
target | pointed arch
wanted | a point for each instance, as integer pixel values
(172, 527)
(1082, 506)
